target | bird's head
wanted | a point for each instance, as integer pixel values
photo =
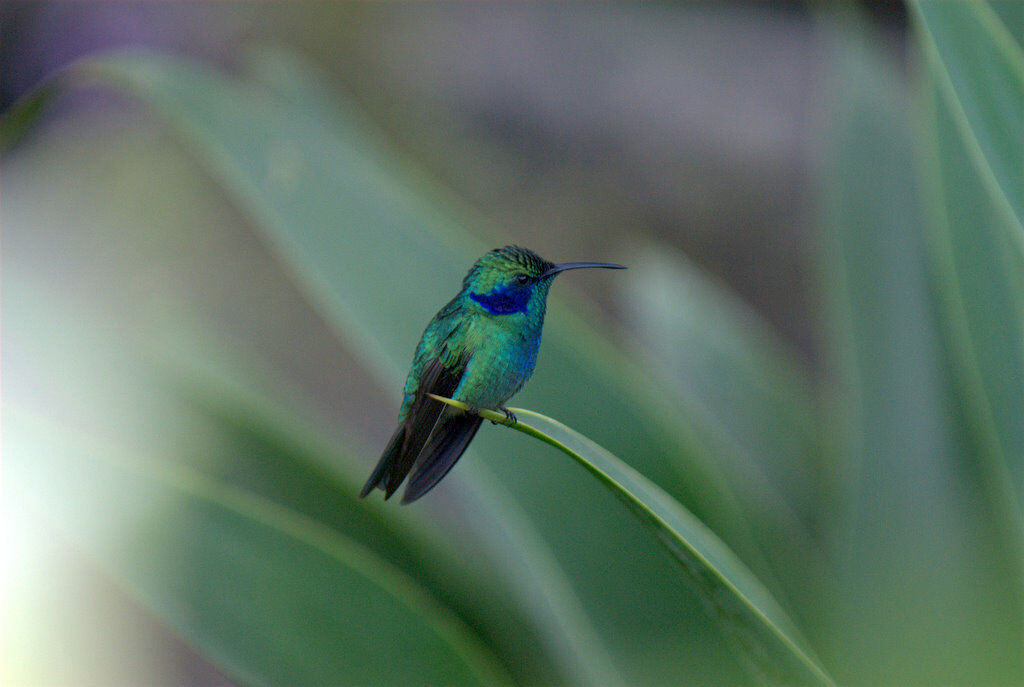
(513, 280)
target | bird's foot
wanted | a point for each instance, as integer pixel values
(510, 417)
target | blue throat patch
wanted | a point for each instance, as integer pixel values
(503, 300)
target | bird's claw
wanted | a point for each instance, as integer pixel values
(510, 418)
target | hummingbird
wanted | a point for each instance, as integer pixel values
(479, 349)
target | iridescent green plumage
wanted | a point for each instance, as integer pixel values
(479, 349)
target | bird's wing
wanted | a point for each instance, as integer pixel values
(423, 416)
(448, 441)
(409, 439)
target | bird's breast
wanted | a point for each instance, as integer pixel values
(503, 359)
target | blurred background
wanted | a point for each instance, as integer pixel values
(561, 128)
(224, 230)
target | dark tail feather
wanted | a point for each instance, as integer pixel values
(419, 424)
(405, 446)
(386, 464)
(447, 444)
(417, 428)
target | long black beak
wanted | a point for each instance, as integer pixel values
(578, 265)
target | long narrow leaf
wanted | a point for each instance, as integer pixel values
(978, 67)
(923, 594)
(270, 596)
(740, 604)
(969, 104)
(747, 393)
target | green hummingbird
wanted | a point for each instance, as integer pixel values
(479, 349)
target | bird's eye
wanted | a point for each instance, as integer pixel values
(522, 279)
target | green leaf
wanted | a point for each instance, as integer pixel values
(977, 65)
(91, 366)
(748, 395)
(270, 595)
(739, 603)
(972, 102)
(981, 293)
(925, 591)
(980, 285)
(723, 358)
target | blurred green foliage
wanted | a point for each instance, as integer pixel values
(182, 266)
